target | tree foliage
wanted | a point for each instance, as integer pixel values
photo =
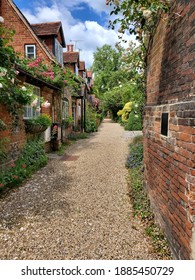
(138, 17)
(107, 69)
(118, 77)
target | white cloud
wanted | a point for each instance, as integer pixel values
(89, 34)
(97, 5)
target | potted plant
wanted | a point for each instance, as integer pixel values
(68, 121)
(38, 124)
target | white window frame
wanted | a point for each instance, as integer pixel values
(30, 54)
(30, 111)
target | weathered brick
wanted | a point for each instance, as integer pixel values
(170, 161)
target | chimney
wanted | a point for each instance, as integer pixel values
(70, 48)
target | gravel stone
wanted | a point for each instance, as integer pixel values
(77, 209)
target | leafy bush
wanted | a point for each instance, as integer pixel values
(90, 125)
(134, 122)
(77, 136)
(3, 154)
(31, 159)
(68, 121)
(135, 156)
(42, 120)
(2, 125)
(82, 135)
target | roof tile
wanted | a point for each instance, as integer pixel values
(47, 28)
(71, 57)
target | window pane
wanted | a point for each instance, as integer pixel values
(58, 51)
(30, 49)
(30, 55)
(29, 111)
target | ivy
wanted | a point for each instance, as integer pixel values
(31, 159)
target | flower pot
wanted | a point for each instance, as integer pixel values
(34, 128)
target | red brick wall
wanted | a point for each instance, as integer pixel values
(170, 160)
(71, 67)
(15, 134)
(23, 34)
(49, 43)
(47, 94)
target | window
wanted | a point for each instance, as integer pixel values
(65, 109)
(30, 51)
(30, 111)
(164, 124)
(84, 75)
(76, 70)
(58, 52)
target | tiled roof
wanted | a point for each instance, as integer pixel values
(71, 57)
(47, 28)
(82, 65)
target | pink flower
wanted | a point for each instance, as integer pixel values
(46, 104)
(65, 81)
(31, 64)
(15, 176)
(39, 59)
(38, 109)
(55, 127)
(24, 166)
(12, 164)
(2, 185)
(34, 103)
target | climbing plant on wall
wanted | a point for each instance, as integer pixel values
(12, 94)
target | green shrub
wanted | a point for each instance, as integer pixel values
(2, 125)
(90, 125)
(135, 157)
(134, 122)
(42, 120)
(31, 159)
(82, 135)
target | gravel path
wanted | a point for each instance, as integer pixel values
(76, 207)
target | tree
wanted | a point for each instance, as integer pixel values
(138, 17)
(107, 69)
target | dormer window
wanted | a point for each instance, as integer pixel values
(58, 52)
(30, 51)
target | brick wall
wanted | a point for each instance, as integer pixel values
(47, 94)
(170, 159)
(14, 135)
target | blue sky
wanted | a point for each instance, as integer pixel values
(81, 11)
(84, 21)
